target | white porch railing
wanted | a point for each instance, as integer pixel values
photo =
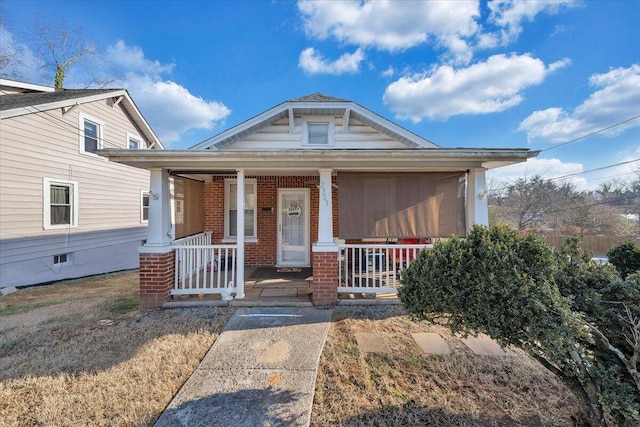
(196, 239)
(374, 268)
(204, 268)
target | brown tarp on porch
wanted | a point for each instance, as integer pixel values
(188, 206)
(401, 204)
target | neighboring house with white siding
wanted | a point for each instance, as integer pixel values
(65, 211)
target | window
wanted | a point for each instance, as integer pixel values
(91, 130)
(144, 206)
(62, 259)
(318, 131)
(230, 210)
(60, 203)
(134, 142)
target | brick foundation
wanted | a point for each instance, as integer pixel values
(325, 278)
(156, 278)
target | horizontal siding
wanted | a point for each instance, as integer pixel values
(46, 144)
(277, 136)
(14, 250)
(85, 261)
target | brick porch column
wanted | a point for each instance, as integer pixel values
(156, 278)
(325, 278)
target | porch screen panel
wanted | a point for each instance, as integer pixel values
(401, 205)
(188, 206)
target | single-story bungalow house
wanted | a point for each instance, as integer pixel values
(317, 182)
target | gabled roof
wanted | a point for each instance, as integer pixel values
(315, 104)
(20, 104)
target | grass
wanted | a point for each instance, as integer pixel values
(81, 353)
(408, 387)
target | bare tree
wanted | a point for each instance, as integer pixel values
(61, 48)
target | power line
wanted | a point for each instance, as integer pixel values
(574, 174)
(591, 134)
(594, 170)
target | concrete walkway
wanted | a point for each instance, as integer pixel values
(261, 371)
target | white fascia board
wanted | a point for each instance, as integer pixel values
(211, 142)
(31, 109)
(395, 128)
(346, 105)
(28, 86)
(296, 160)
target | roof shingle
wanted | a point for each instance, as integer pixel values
(21, 100)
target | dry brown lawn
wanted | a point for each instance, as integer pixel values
(408, 388)
(80, 353)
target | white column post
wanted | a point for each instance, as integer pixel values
(325, 211)
(477, 206)
(159, 226)
(240, 235)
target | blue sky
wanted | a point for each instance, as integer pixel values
(500, 73)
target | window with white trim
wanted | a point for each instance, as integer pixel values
(144, 207)
(318, 131)
(91, 134)
(60, 203)
(230, 209)
(134, 142)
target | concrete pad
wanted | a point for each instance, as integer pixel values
(431, 343)
(279, 292)
(372, 342)
(484, 345)
(261, 371)
(243, 398)
(8, 290)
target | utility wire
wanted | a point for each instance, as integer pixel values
(591, 134)
(594, 170)
(574, 174)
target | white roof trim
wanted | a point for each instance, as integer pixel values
(264, 119)
(28, 86)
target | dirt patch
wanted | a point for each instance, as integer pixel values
(408, 387)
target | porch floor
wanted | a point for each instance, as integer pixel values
(268, 287)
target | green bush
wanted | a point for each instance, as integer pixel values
(556, 305)
(626, 258)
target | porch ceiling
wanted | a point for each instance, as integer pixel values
(304, 161)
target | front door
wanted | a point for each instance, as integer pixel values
(293, 227)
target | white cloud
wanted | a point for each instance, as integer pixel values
(389, 72)
(485, 87)
(393, 26)
(23, 65)
(616, 98)
(313, 62)
(547, 168)
(131, 58)
(171, 109)
(510, 14)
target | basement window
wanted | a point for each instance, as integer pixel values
(62, 259)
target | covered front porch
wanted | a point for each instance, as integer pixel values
(306, 231)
